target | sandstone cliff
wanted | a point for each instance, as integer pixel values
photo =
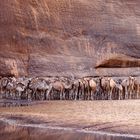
(69, 37)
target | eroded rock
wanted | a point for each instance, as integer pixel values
(69, 37)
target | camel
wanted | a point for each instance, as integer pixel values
(87, 87)
(128, 86)
(11, 88)
(20, 88)
(56, 86)
(81, 89)
(68, 85)
(112, 85)
(125, 84)
(76, 86)
(137, 87)
(120, 90)
(3, 83)
(33, 87)
(37, 88)
(105, 86)
(22, 84)
(131, 86)
(42, 87)
(0, 88)
(92, 85)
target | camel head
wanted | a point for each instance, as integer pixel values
(131, 78)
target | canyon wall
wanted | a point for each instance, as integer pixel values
(69, 37)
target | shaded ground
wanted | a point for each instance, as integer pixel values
(73, 119)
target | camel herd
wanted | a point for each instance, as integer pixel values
(64, 88)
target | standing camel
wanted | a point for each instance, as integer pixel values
(87, 87)
(105, 87)
(112, 85)
(68, 89)
(137, 87)
(11, 85)
(92, 85)
(20, 89)
(81, 89)
(3, 91)
(119, 88)
(56, 86)
(128, 86)
(41, 88)
(131, 86)
(76, 86)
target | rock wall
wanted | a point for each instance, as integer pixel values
(69, 37)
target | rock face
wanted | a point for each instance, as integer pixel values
(70, 37)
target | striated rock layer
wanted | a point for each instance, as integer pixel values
(69, 37)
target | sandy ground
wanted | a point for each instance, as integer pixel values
(106, 117)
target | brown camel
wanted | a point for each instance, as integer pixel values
(81, 90)
(125, 85)
(128, 86)
(56, 86)
(105, 86)
(131, 86)
(68, 88)
(87, 87)
(76, 86)
(92, 85)
(137, 87)
(112, 85)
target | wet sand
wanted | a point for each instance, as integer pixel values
(73, 120)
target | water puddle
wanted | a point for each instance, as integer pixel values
(44, 131)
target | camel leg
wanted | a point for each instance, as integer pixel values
(70, 95)
(103, 95)
(119, 98)
(110, 95)
(1, 93)
(92, 95)
(11, 94)
(130, 95)
(61, 95)
(76, 93)
(119, 95)
(126, 93)
(43, 95)
(82, 94)
(19, 95)
(89, 95)
(48, 93)
(137, 92)
(64, 95)
(29, 96)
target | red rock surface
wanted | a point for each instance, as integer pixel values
(69, 37)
